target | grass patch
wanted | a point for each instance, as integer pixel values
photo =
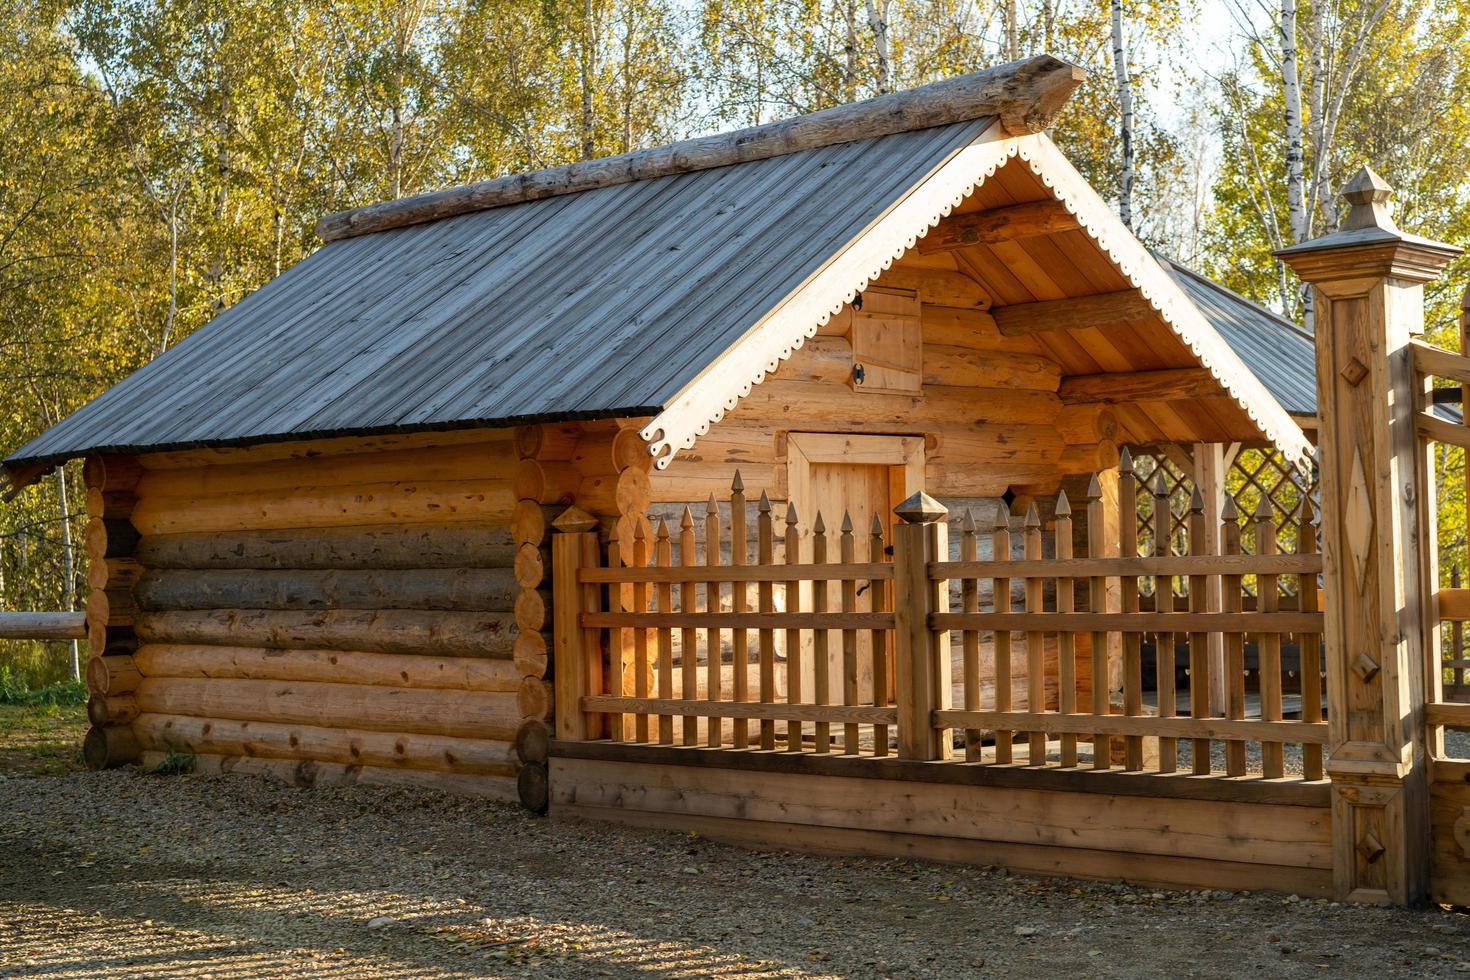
(13, 691)
(173, 764)
(41, 739)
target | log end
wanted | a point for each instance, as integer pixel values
(108, 748)
(533, 742)
(534, 787)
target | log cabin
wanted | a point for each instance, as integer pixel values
(319, 528)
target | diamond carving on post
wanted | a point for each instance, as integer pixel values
(1358, 519)
(1354, 372)
(1369, 847)
(1365, 666)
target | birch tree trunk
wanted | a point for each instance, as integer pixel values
(1013, 32)
(1125, 104)
(589, 68)
(849, 50)
(878, 22)
(69, 566)
(1291, 91)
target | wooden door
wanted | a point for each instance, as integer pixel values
(856, 476)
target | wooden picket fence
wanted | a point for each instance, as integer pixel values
(818, 642)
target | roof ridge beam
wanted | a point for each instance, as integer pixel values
(1026, 95)
(1121, 387)
(1074, 313)
(1008, 224)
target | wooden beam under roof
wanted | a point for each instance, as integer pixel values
(996, 225)
(1077, 313)
(1117, 387)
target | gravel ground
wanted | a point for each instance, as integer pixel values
(119, 874)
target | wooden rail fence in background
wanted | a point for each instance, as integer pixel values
(43, 626)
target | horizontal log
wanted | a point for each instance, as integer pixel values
(112, 472)
(111, 608)
(1288, 564)
(998, 225)
(398, 502)
(43, 626)
(547, 441)
(546, 481)
(414, 546)
(309, 773)
(1181, 622)
(488, 462)
(103, 711)
(1121, 387)
(110, 747)
(330, 666)
(208, 736)
(530, 523)
(110, 676)
(1026, 95)
(463, 714)
(1080, 313)
(110, 503)
(1304, 732)
(530, 655)
(856, 714)
(800, 403)
(465, 589)
(464, 634)
(826, 359)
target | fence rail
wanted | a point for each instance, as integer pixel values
(820, 641)
(43, 626)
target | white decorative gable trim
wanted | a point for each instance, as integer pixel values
(721, 385)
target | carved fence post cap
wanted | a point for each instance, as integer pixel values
(921, 509)
(1368, 195)
(574, 520)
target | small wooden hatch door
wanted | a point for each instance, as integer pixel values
(858, 475)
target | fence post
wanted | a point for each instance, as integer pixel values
(577, 651)
(922, 665)
(1377, 540)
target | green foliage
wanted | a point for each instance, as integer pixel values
(14, 691)
(173, 764)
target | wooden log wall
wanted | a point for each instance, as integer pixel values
(113, 573)
(365, 607)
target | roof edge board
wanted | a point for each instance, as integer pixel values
(1026, 95)
(776, 336)
(1138, 265)
(747, 362)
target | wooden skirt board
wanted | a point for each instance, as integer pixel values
(307, 774)
(1449, 828)
(1174, 842)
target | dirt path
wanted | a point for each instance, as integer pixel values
(125, 875)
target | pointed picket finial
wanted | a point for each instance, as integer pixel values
(1033, 516)
(1196, 502)
(737, 485)
(1160, 484)
(1229, 512)
(1125, 460)
(1002, 519)
(1263, 508)
(686, 519)
(819, 526)
(790, 513)
(713, 508)
(1094, 487)
(921, 509)
(876, 527)
(663, 530)
(638, 534)
(1064, 506)
(574, 520)
(765, 504)
(846, 522)
(967, 523)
